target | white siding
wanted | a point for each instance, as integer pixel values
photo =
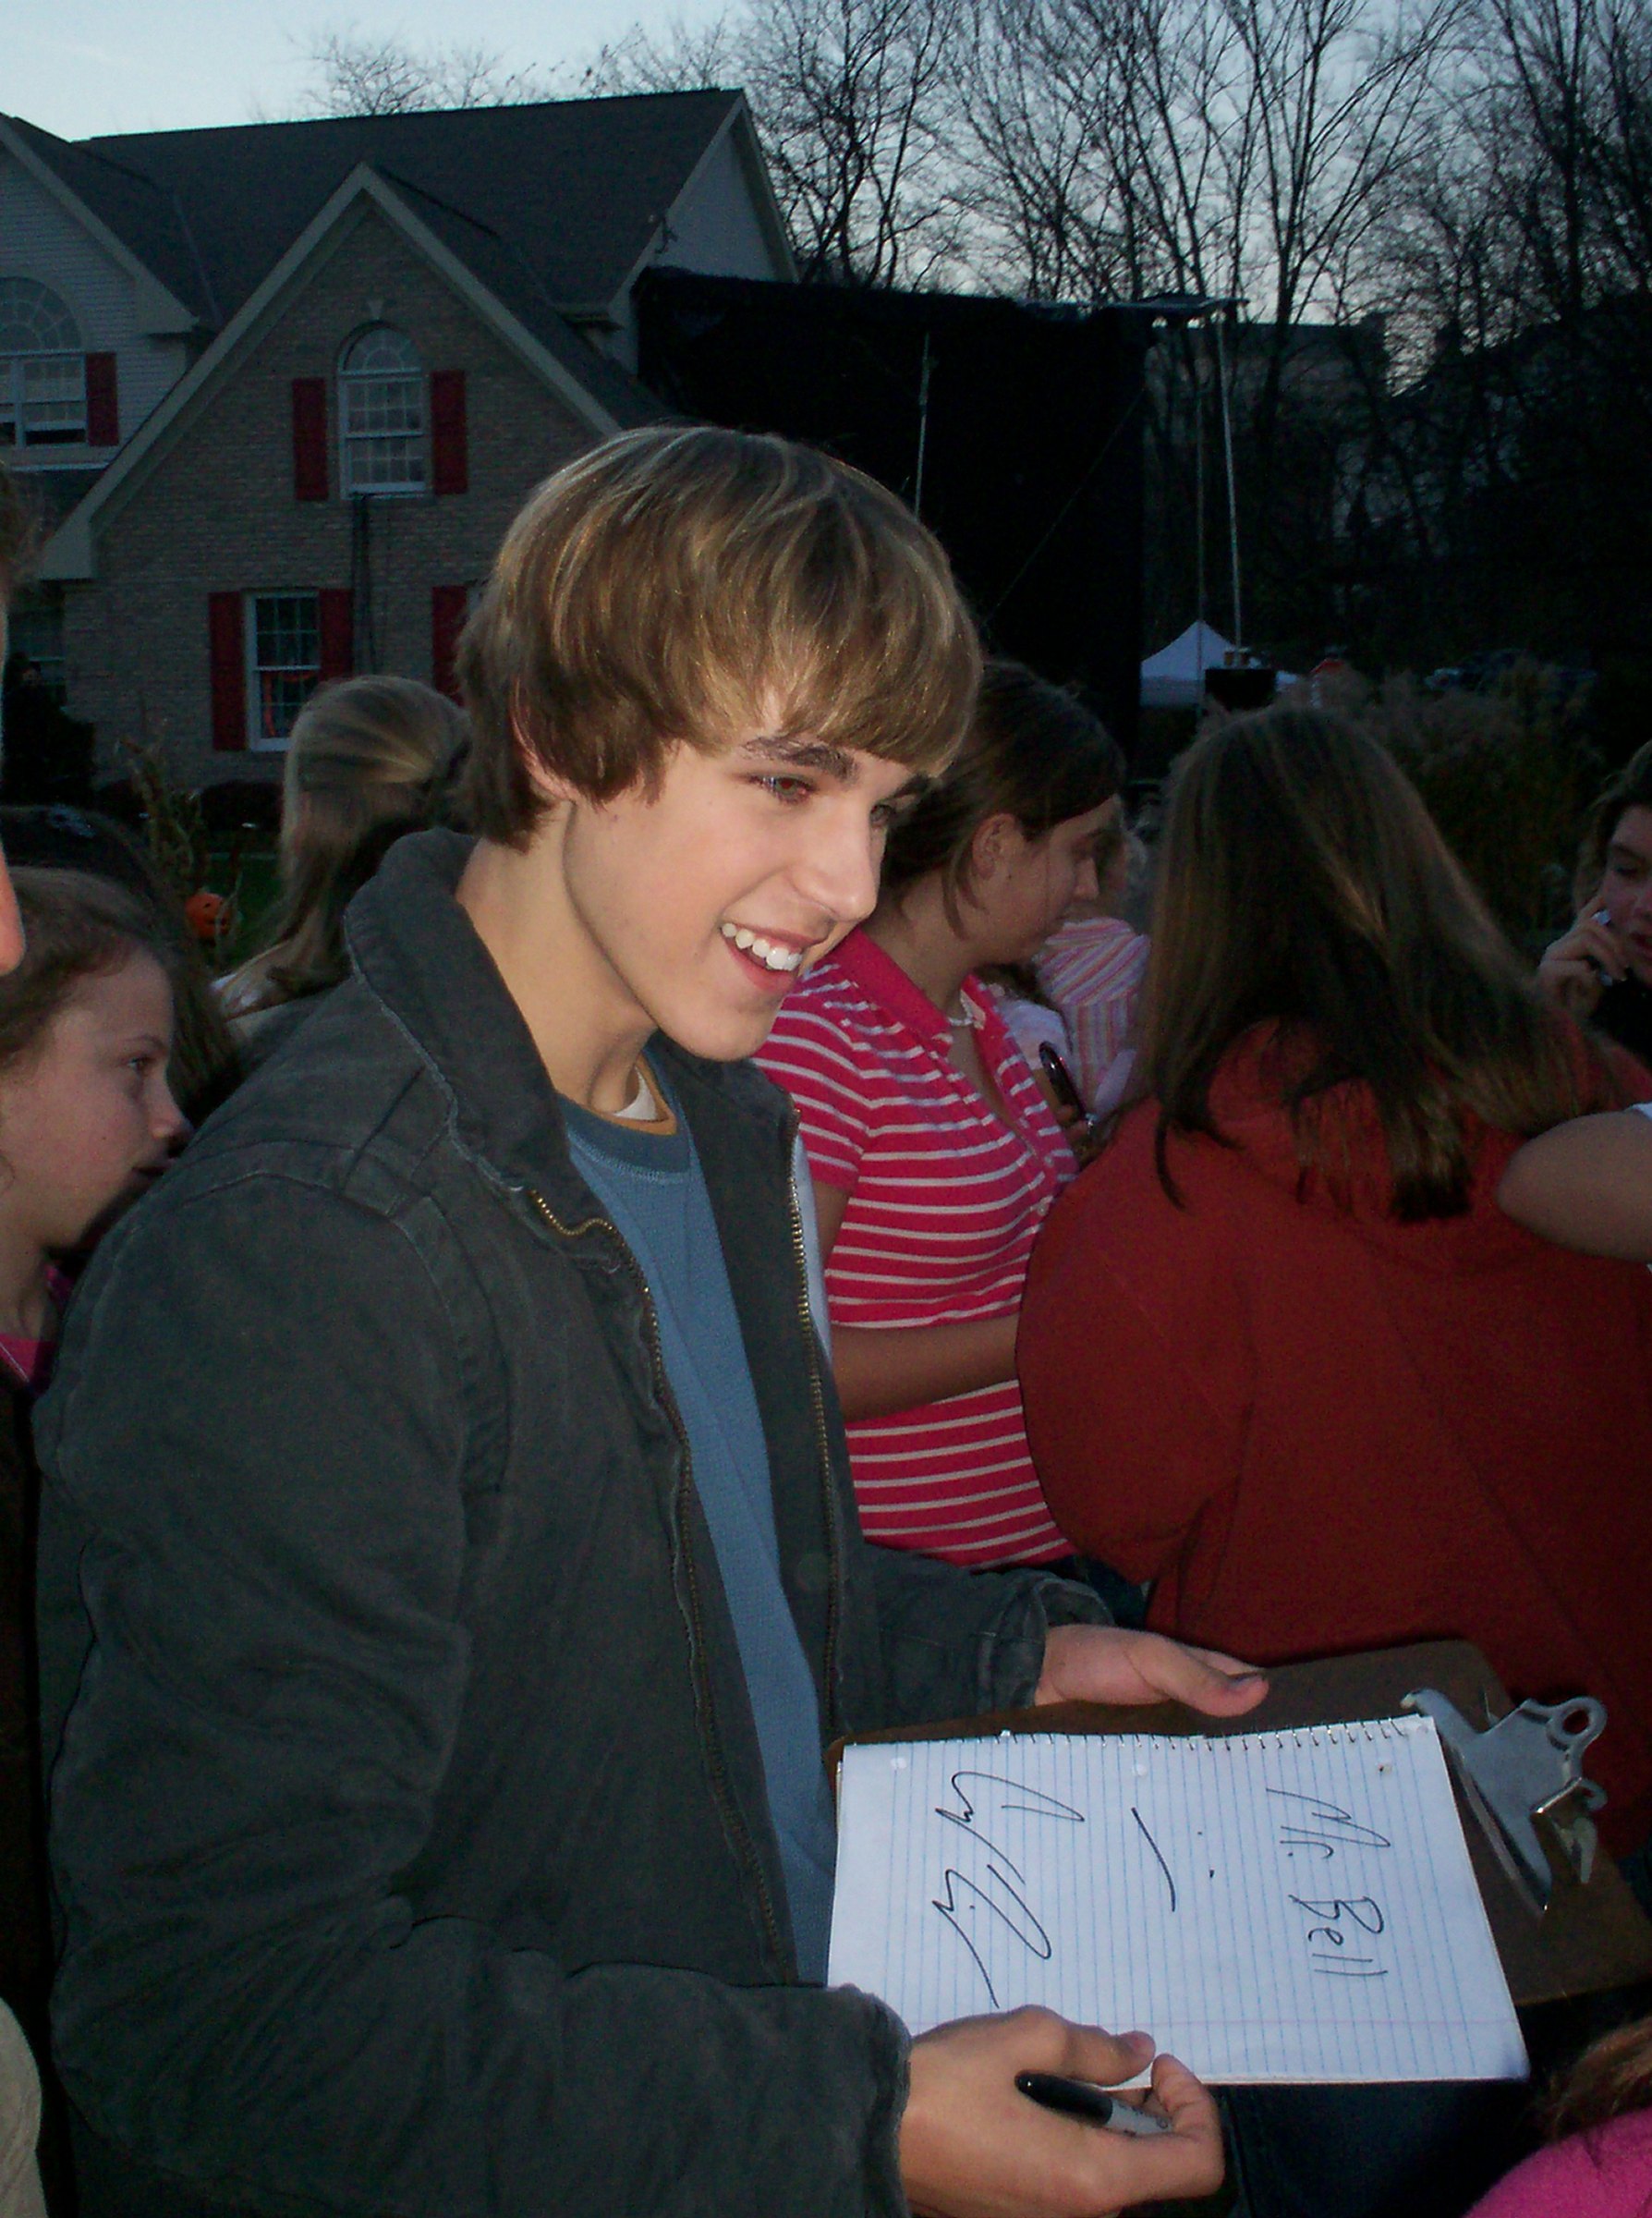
(716, 225)
(39, 239)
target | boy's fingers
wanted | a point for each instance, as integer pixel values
(1090, 2053)
(1206, 1679)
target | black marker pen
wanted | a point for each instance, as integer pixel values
(1082, 2099)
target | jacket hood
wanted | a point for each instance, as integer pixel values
(1352, 1183)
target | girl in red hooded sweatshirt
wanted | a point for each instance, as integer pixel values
(1280, 1351)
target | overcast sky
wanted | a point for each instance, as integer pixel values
(80, 66)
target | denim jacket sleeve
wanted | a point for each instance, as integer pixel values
(253, 1545)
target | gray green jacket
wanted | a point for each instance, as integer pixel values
(407, 1819)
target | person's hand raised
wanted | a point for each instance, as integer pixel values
(972, 2146)
(1105, 1664)
(1576, 967)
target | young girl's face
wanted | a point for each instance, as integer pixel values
(1033, 883)
(87, 1121)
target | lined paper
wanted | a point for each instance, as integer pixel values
(1270, 1907)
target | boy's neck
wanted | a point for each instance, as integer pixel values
(574, 1007)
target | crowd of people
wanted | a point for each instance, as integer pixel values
(724, 1214)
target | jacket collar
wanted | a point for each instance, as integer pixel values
(418, 954)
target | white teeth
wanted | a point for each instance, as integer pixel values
(752, 943)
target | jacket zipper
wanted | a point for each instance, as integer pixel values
(730, 1809)
(818, 1406)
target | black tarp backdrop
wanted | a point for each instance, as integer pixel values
(1032, 463)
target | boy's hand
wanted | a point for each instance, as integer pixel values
(973, 2147)
(1104, 1663)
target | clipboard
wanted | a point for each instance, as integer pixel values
(1590, 1938)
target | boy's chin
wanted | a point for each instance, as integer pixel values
(728, 1037)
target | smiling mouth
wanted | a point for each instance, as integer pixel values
(769, 954)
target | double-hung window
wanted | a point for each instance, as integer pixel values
(382, 414)
(42, 369)
(284, 658)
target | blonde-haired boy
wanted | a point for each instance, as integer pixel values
(450, 1573)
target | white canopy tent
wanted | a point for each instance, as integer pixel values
(1174, 677)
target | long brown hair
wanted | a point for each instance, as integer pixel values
(1631, 789)
(75, 926)
(367, 762)
(1032, 752)
(1304, 885)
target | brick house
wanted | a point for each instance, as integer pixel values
(281, 386)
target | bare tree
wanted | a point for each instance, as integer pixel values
(851, 100)
(366, 77)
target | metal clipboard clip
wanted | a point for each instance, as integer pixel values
(1529, 1765)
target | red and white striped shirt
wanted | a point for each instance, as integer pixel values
(1092, 970)
(945, 1200)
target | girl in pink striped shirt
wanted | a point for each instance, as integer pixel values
(934, 1154)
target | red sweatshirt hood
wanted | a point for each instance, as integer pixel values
(1353, 1182)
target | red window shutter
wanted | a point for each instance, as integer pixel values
(309, 438)
(103, 401)
(450, 457)
(337, 623)
(449, 606)
(226, 632)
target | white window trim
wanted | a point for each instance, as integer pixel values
(257, 741)
(407, 488)
(44, 448)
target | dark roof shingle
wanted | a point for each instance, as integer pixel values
(571, 189)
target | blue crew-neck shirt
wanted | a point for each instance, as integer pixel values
(652, 1187)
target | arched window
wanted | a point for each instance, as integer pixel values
(42, 370)
(382, 414)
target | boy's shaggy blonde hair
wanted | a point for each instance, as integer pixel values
(700, 585)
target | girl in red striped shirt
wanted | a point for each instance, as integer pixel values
(934, 1154)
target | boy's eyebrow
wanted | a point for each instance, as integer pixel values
(804, 754)
(819, 754)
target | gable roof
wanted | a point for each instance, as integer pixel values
(597, 391)
(564, 195)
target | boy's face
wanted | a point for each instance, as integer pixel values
(700, 907)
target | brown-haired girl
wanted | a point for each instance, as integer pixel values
(934, 1154)
(368, 761)
(1281, 1352)
(87, 1122)
(1601, 969)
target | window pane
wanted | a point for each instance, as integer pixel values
(374, 405)
(287, 632)
(33, 320)
(53, 396)
(380, 349)
(280, 694)
(382, 465)
(287, 659)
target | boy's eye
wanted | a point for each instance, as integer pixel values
(786, 789)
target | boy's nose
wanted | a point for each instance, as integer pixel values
(840, 871)
(1086, 885)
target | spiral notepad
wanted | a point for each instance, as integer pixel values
(1270, 1907)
